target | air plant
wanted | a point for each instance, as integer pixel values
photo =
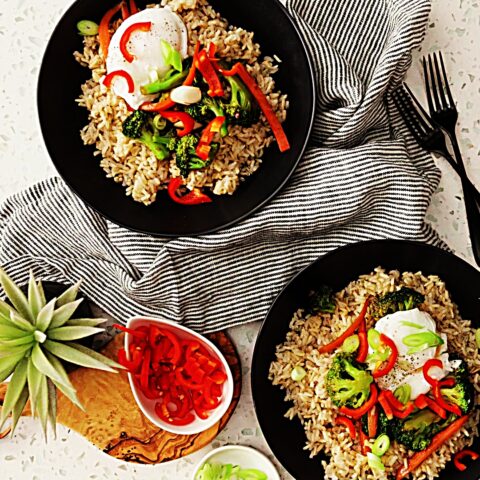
(35, 338)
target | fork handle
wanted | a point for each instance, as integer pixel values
(471, 206)
(459, 170)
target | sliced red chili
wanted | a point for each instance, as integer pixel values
(372, 422)
(131, 365)
(387, 366)
(104, 29)
(457, 460)
(133, 7)
(408, 409)
(363, 348)
(160, 106)
(183, 117)
(421, 402)
(364, 448)
(387, 408)
(204, 145)
(433, 362)
(194, 197)
(449, 407)
(394, 402)
(346, 422)
(145, 369)
(203, 64)
(125, 11)
(193, 69)
(447, 382)
(359, 412)
(435, 407)
(134, 332)
(135, 27)
(177, 349)
(107, 81)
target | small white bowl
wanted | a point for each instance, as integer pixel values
(245, 457)
(147, 406)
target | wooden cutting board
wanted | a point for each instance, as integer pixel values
(114, 423)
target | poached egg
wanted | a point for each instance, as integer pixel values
(408, 368)
(149, 64)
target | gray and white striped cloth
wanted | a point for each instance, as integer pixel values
(362, 177)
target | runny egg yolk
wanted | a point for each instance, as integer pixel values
(146, 47)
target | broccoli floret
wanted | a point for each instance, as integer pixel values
(186, 157)
(383, 425)
(206, 110)
(243, 109)
(403, 299)
(322, 300)
(461, 394)
(348, 384)
(139, 126)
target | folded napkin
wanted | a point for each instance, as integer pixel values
(362, 177)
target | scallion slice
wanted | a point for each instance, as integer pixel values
(351, 344)
(298, 374)
(403, 393)
(421, 341)
(381, 445)
(374, 462)
(87, 28)
(477, 337)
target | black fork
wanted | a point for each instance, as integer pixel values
(425, 131)
(444, 112)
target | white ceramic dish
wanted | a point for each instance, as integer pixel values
(148, 406)
(246, 457)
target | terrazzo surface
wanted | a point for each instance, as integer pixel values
(25, 26)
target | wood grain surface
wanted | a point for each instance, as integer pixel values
(114, 423)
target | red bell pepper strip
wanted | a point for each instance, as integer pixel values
(186, 382)
(346, 422)
(409, 408)
(177, 349)
(133, 7)
(387, 408)
(185, 118)
(421, 402)
(447, 382)
(160, 106)
(136, 27)
(381, 371)
(435, 407)
(134, 332)
(364, 448)
(457, 460)
(359, 412)
(218, 377)
(131, 365)
(104, 29)
(145, 370)
(163, 413)
(204, 145)
(125, 11)
(433, 362)
(329, 347)
(205, 67)
(107, 81)
(396, 404)
(193, 69)
(195, 197)
(209, 398)
(276, 126)
(438, 440)
(363, 348)
(449, 407)
(372, 422)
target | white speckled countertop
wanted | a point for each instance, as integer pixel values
(25, 26)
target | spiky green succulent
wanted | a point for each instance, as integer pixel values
(35, 338)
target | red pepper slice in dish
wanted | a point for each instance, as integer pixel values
(193, 69)
(387, 408)
(364, 448)
(433, 362)
(421, 402)
(104, 29)
(136, 27)
(367, 406)
(183, 117)
(205, 67)
(363, 348)
(131, 365)
(372, 422)
(107, 81)
(277, 129)
(133, 7)
(145, 369)
(409, 408)
(387, 366)
(204, 145)
(435, 407)
(195, 197)
(125, 11)
(134, 332)
(457, 460)
(346, 422)
(449, 407)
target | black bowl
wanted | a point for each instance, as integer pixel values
(285, 437)
(61, 120)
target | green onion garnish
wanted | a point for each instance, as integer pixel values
(381, 445)
(403, 393)
(87, 28)
(171, 56)
(351, 344)
(477, 337)
(421, 341)
(374, 462)
(298, 374)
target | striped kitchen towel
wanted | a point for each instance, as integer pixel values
(362, 177)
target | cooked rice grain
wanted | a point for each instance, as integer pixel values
(313, 407)
(132, 164)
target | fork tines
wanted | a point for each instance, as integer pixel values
(417, 120)
(439, 95)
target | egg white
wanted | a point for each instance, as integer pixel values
(146, 47)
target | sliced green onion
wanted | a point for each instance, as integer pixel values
(218, 471)
(477, 337)
(411, 324)
(159, 122)
(381, 445)
(403, 393)
(87, 28)
(171, 56)
(374, 462)
(351, 344)
(298, 374)
(374, 339)
(421, 341)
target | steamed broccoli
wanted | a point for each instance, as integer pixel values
(348, 384)
(207, 109)
(461, 394)
(139, 126)
(403, 299)
(186, 157)
(243, 109)
(322, 300)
